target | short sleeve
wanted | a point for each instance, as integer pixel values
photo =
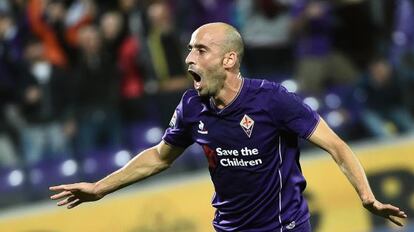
(178, 133)
(291, 114)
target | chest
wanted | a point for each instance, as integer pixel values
(245, 128)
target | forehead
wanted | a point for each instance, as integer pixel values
(206, 37)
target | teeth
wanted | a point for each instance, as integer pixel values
(197, 85)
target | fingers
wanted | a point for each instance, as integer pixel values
(72, 194)
(402, 214)
(393, 214)
(64, 187)
(67, 201)
(395, 220)
(391, 207)
(57, 188)
(74, 204)
(67, 190)
(61, 195)
(71, 202)
(394, 211)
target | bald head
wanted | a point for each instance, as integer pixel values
(228, 38)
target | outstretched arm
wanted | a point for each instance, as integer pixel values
(145, 164)
(325, 138)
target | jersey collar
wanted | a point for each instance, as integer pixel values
(233, 104)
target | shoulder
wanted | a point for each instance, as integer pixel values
(191, 104)
(190, 97)
(266, 87)
(275, 96)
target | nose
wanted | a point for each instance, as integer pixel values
(190, 58)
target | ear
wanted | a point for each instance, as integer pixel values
(230, 60)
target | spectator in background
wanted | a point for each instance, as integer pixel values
(165, 52)
(17, 9)
(384, 103)
(406, 71)
(357, 32)
(57, 26)
(265, 27)
(79, 13)
(402, 47)
(46, 19)
(382, 17)
(133, 12)
(11, 50)
(403, 30)
(318, 63)
(97, 94)
(45, 107)
(10, 60)
(125, 51)
(113, 33)
(8, 152)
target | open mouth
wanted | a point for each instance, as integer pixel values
(196, 76)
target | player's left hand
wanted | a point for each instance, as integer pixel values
(388, 211)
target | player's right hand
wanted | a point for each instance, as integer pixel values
(74, 194)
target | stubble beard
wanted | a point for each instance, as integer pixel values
(215, 82)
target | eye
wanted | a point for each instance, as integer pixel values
(201, 51)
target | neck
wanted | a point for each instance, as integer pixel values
(229, 92)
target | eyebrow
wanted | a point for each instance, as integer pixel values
(197, 46)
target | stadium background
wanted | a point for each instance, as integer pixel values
(85, 85)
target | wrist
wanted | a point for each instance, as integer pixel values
(98, 190)
(367, 200)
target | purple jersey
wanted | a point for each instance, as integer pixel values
(252, 150)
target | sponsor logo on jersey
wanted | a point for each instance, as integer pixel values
(247, 124)
(244, 157)
(201, 128)
(291, 225)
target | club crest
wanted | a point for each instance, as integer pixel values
(247, 124)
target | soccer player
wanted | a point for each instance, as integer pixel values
(249, 130)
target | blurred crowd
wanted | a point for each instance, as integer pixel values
(75, 75)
